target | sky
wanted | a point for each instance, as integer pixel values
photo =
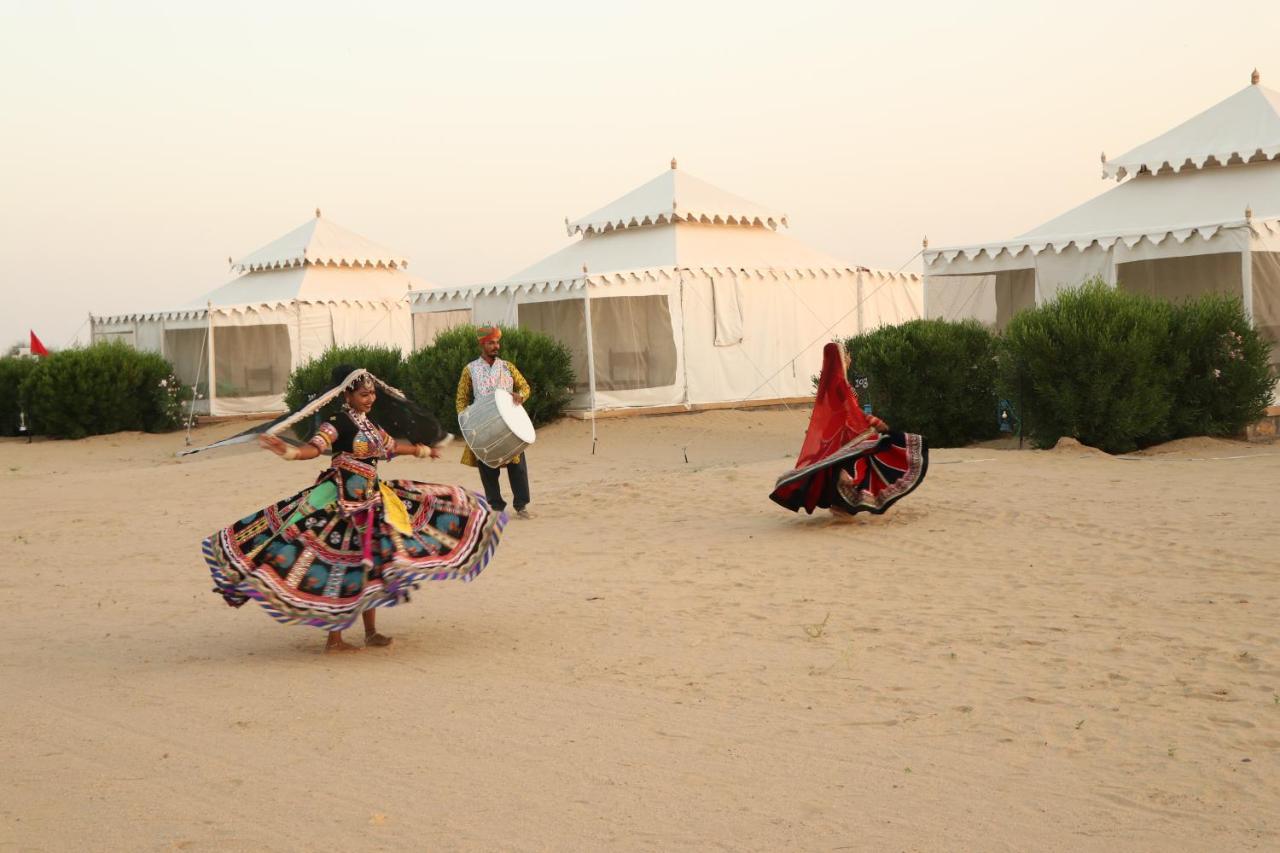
(142, 143)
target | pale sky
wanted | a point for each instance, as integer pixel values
(141, 143)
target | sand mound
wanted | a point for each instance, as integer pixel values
(1200, 445)
(1068, 446)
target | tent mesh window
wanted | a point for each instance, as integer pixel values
(1266, 302)
(1176, 279)
(185, 350)
(633, 342)
(251, 361)
(564, 320)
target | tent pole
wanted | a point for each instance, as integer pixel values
(213, 391)
(591, 357)
(191, 410)
(1246, 282)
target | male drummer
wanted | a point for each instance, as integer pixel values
(479, 379)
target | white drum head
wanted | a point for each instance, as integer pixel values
(515, 417)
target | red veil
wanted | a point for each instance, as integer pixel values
(837, 416)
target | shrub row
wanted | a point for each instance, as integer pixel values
(103, 388)
(1118, 370)
(430, 375)
(1113, 369)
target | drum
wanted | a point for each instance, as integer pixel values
(496, 429)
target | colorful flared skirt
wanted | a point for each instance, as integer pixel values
(329, 566)
(868, 474)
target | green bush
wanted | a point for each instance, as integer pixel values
(316, 377)
(1226, 380)
(932, 377)
(432, 373)
(1094, 364)
(13, 371)
(103, 388)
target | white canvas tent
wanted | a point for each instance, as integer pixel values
(681, 294)
(1200, 212)
(318, 286)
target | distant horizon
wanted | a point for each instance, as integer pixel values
(148, 143)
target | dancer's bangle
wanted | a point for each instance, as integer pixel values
(292, 453)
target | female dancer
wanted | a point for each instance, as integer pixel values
(850, 461)
(352, 542)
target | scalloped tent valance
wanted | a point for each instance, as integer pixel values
(676, 197)
(1243, 128)
(320, 242)
(1149, 207)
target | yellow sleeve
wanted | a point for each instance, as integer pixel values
(464, 390)
(522, 387)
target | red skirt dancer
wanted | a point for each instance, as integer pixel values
(847, 464)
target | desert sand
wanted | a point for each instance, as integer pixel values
(1037, 650)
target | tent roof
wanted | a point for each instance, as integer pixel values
(312, 284)
(1244, 126)
(675, 196)
(1152, 207)
(320, 241)
(678, 245)
(284, 287)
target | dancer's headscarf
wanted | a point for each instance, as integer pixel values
(837, 416)
(393, 411)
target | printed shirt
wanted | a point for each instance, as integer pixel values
(480, 379)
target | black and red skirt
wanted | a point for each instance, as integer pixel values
(869, 473)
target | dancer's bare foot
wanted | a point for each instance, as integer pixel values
(839, 516)
(337, 644)
(376, 639)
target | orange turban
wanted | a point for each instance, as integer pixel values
(484, 334)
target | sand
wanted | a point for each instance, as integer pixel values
(1054, 650)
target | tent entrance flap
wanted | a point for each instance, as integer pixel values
(252, 361)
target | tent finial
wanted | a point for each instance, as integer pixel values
(230, 262)
(567, 229)
(1248, 213)
(1103, 158)
(673, 162)
(584, 269)
(317, 213)
(1255, 78)
(924, 244)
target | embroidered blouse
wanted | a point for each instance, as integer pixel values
(351, 433)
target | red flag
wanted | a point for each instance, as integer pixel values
(37, 348)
